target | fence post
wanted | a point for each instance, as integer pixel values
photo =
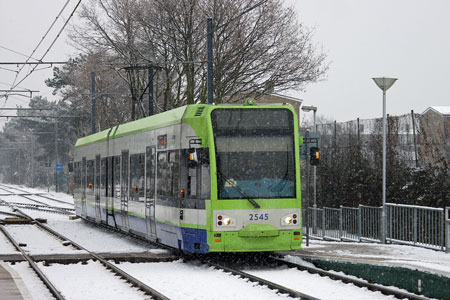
(340, 223)
(415, 225)
(359, 223)
(323, 223)
(447, 222)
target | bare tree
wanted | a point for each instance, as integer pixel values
(259, 46)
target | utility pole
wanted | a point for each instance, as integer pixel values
(56, 155)
(32, 161)
(414, 136)
(209, 42)
(93, 113)
(150, 90)
(307, 187)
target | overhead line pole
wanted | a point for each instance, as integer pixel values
(94, 127)
(209, 38)
(150, 90)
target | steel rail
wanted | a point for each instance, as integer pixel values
(34, 266)
(53, 199)
(10, 214)
(37, 194)
(129, 278)
(358, 282)
(60, 210)
(271, 285)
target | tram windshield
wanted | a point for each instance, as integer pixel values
(254, 153)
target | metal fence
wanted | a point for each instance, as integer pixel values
(405, 224)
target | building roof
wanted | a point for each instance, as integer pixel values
(443, 110)
(287, 97)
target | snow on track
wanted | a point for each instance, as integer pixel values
(90, 281)
(90, 236)
(37, 241)
(178, 280)
(6, 247)
(312, 284)
(50, 202)
(35, 287)
(17, 199)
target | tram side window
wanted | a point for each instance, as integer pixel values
(77, 176)
(198, 176)
(192, 182)
(162, 174)
(205, 182)
(150, 172)
(83, 175)
(90, 177)
(137, 168)
(104, 177)
(174, 172)
(116, 176)
(109, 176)
(97, 173)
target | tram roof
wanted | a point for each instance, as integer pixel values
(164, 119)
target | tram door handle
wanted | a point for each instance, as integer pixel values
(181, 214)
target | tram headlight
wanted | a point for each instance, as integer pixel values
(222, 220)
(291, 219)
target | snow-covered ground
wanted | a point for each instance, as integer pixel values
(179, 280)
(390, 255)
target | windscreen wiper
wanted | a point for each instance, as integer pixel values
(237, 188)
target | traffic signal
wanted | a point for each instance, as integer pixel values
(314, 156)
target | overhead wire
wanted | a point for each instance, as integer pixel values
(51, 45)
(14, 85)
(42, 39)
(10, 70)
(16, 52)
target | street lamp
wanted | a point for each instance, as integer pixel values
(309, 108)
(384, 83)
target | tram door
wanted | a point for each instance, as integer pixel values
(124, 190)
(83, 188)
(97, 189)
(150, 192)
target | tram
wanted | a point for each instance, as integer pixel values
(199, 178)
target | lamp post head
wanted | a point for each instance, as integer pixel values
(384, 83)
(309, 108)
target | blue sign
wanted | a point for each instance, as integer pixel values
(59, 167)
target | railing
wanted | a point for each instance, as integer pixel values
(405, 224)
(447, 222)
(416, 225)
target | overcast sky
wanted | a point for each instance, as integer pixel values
(406, 39)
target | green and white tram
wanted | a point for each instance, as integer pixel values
(199, 178)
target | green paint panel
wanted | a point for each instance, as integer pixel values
(258, 230)
(432, 285)
(232, 242)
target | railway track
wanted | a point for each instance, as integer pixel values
(349, 280)
(40, 205)
(147, 290)
(275, 262)
(260, 281)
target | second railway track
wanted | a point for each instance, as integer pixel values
(96, 257)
